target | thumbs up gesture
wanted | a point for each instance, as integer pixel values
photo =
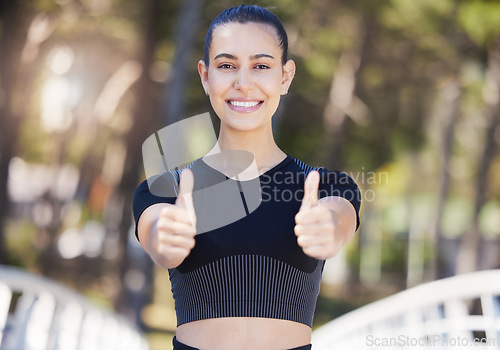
(176, 226)
(316, 223)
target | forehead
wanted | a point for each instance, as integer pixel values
(250, 36)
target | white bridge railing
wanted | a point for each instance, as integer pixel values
(39, 314)
(460, 312)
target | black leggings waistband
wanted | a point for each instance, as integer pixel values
(180, 346)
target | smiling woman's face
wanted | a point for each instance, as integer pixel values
(245, 78)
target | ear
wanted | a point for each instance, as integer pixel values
(288, 74)
(203, 72)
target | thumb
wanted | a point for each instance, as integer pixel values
(311, 187)
(185, 197)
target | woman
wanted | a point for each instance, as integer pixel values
(251, 282)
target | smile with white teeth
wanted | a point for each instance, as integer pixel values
(244, 104)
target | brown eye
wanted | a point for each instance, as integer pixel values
(262, 66)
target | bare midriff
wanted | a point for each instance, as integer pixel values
(241, 333)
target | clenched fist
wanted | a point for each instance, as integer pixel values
(176, 227)
(316, 225)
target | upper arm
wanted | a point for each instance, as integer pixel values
(342, 193)
(345, 214)
(146, 208)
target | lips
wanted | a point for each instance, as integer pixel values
(241, 105)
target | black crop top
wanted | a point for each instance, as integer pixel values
(250, 265)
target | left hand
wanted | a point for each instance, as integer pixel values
(315, 224)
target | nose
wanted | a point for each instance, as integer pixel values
(243, 80)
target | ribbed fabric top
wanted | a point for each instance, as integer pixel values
(249, 266)
(246, 286)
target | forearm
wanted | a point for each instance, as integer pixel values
(158, 252)
(149, 237)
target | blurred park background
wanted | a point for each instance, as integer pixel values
(403, 95)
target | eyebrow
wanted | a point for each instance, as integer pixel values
(253, 57)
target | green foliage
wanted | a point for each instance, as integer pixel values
(489, 220)
(21, 243)
(480, 19)
(328, 309)
(45, 5)
(457, 216)
(417, 17)
(395, 256)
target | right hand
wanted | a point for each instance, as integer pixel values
(176, 226)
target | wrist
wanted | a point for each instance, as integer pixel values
(158, 255)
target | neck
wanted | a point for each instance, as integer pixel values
(260, 143)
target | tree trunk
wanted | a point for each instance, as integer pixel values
(186, 30)
(11, 44)
(342, 101)
(469, 252)
(450, 110)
